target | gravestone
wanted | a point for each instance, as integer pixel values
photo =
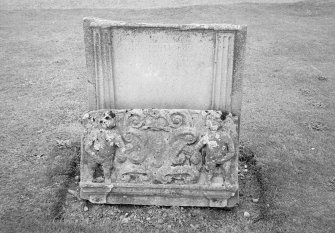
(165, 104)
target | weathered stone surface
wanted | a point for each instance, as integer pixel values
(170, 155)
(160, 157)
(166, 66)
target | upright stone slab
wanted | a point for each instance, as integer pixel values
(170, 134)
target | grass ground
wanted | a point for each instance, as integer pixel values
(288, 107)
(129, 4)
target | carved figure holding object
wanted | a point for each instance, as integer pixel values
(100, 145)
(219, 150)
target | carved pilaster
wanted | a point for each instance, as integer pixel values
(222, 71)
(103, 69)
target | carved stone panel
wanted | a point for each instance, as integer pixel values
(123, 59)
(160, 157)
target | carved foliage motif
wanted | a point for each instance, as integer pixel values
(158, 146)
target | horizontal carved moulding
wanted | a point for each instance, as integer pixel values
(160, 157)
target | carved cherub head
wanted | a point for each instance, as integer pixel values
(213, 120)
(108, 121)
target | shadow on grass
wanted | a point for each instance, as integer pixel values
(265, 203)
(64, 167)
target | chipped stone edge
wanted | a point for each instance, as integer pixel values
(97, 22)
(91, 82)
(238, 74)
(137, 194)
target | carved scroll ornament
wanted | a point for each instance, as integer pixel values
(159, 147)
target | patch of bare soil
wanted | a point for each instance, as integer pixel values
(69, 209)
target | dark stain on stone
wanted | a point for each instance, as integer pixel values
(112, 114)
(223, 116)
(98, 172)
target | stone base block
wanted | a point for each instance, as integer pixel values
(169, 157)
(162, 195)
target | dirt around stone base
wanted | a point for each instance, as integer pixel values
(69, 209)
